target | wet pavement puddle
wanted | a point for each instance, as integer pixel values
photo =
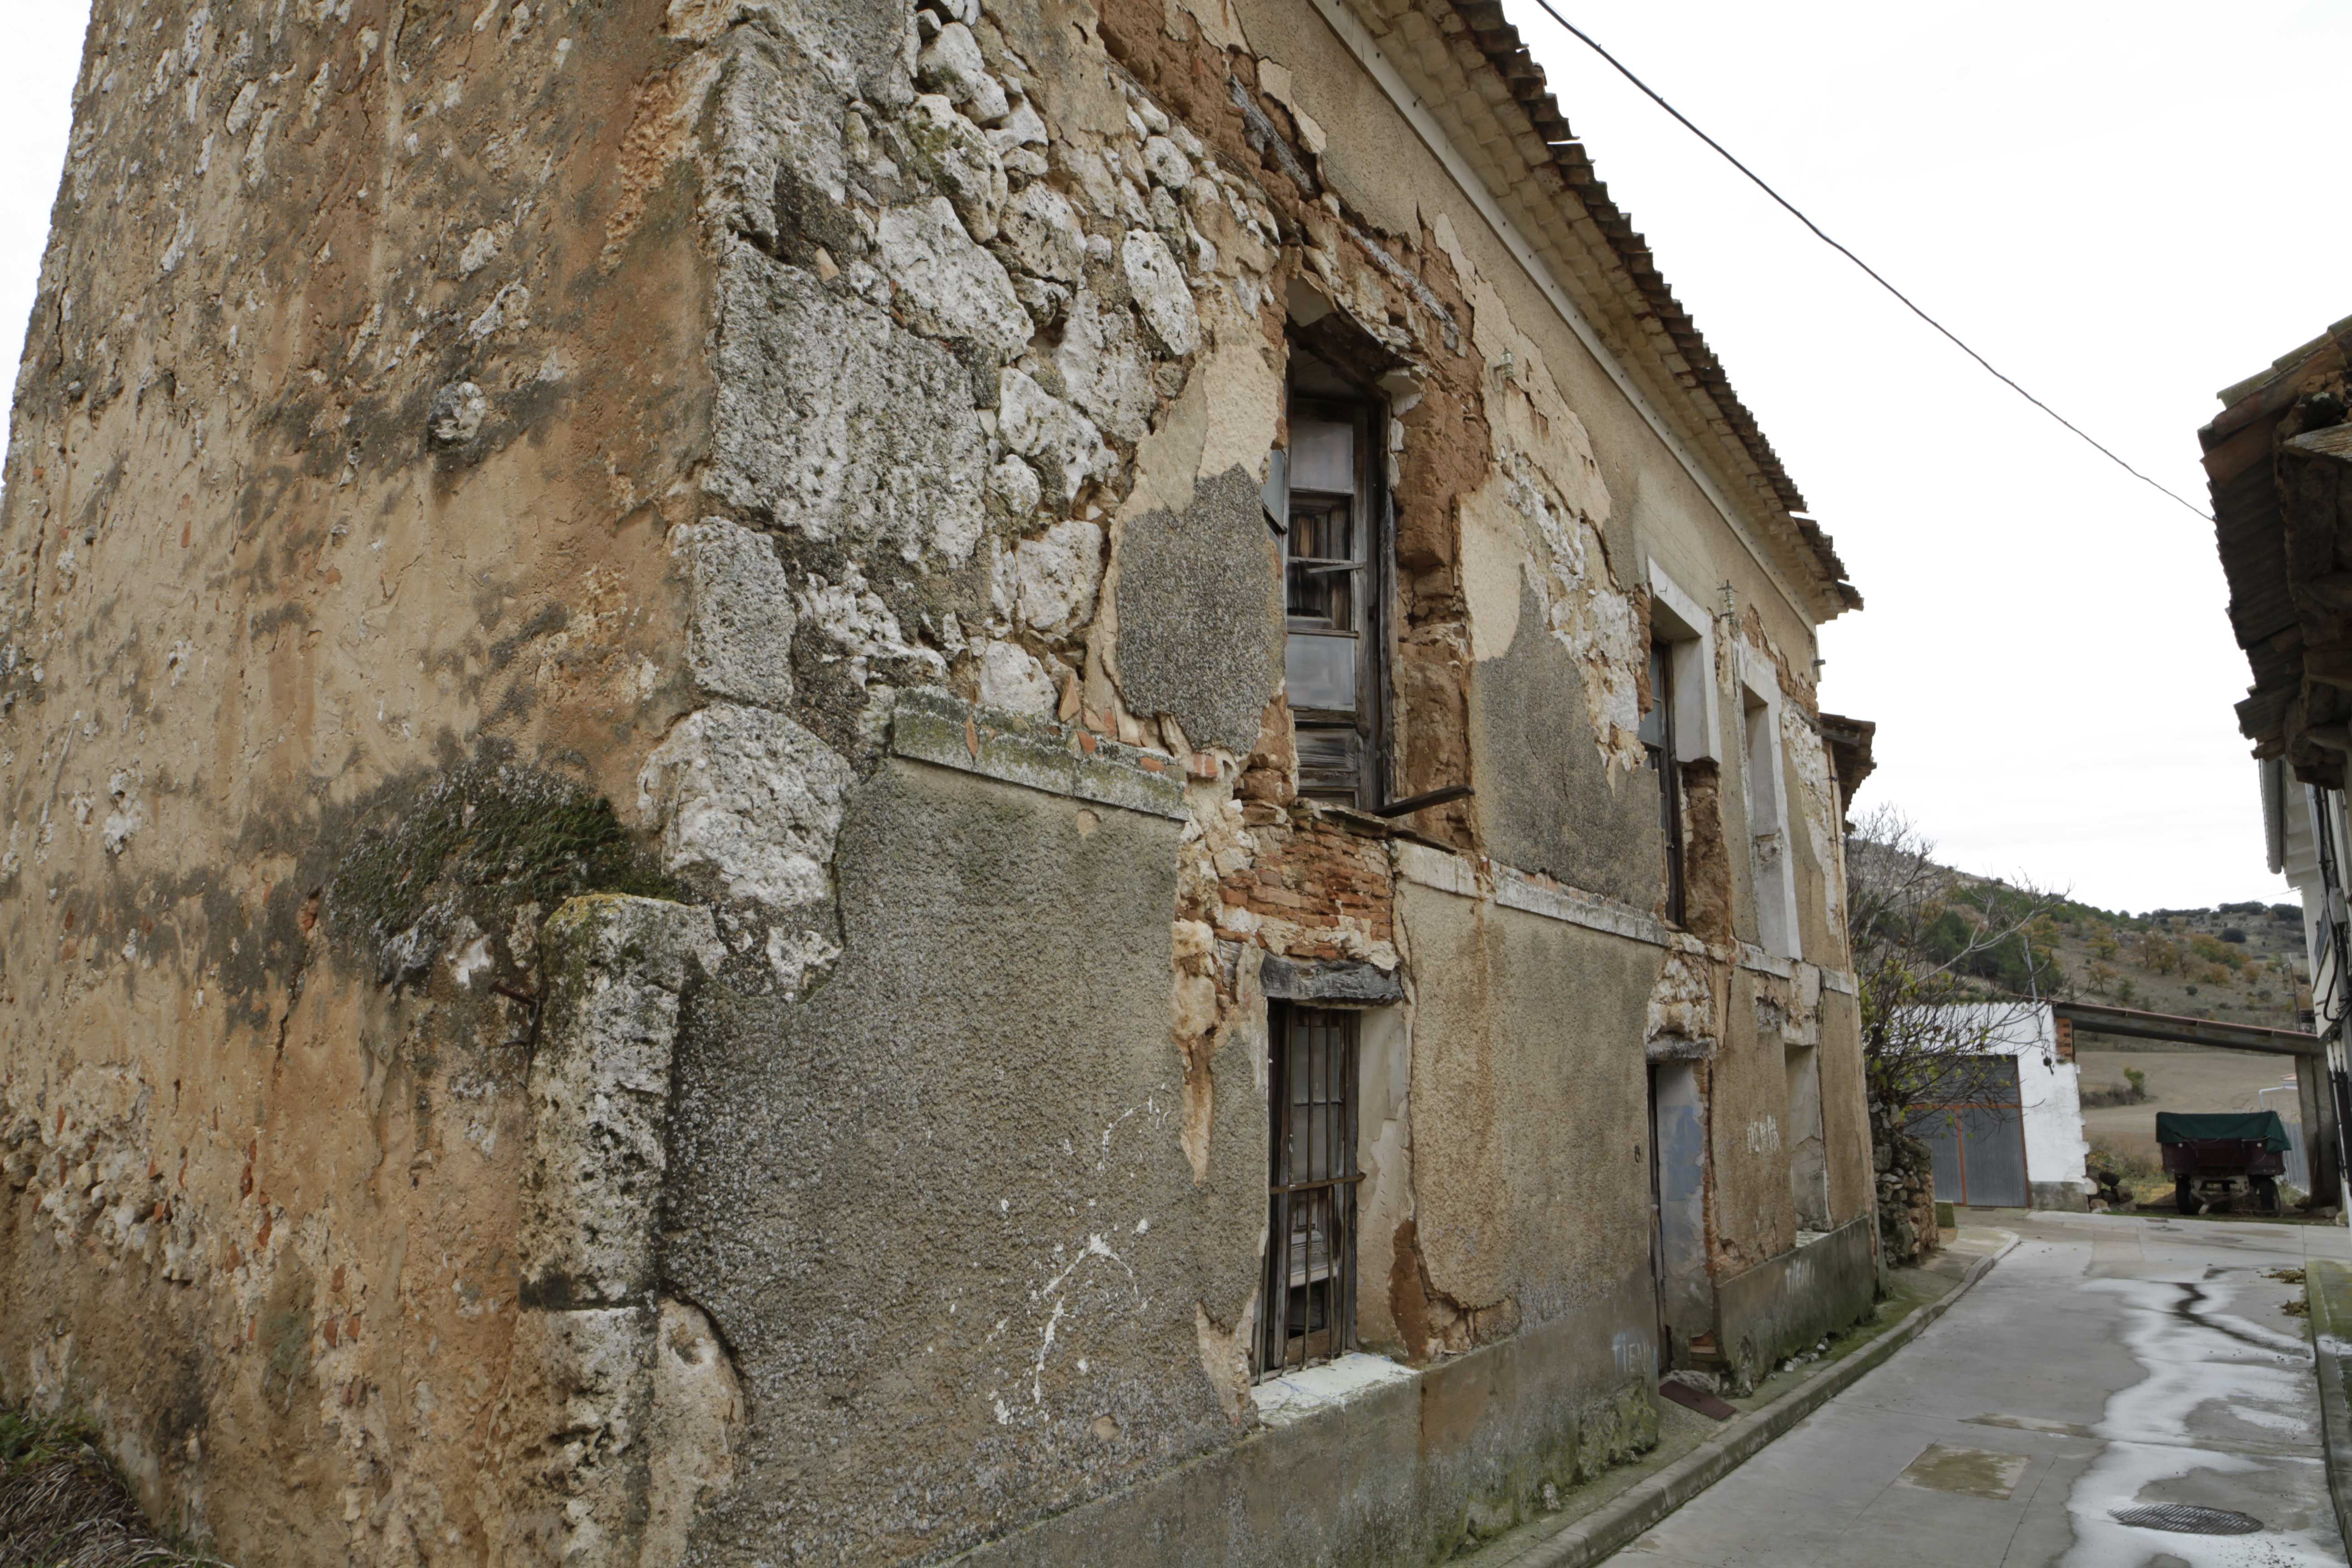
(1969, 1472)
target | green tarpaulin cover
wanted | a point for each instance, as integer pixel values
(2190, 1127)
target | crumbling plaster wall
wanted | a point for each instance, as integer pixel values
(1580, 492)
(1528, 1120)
(365, 376)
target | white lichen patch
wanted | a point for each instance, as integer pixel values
(749, 799)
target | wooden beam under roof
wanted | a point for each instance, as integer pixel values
(2130, 1023)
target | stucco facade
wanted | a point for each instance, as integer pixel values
(662, 810)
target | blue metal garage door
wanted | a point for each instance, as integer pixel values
(1978, 1138)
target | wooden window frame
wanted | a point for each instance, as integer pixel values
(1373, 562)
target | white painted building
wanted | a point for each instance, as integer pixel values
(2012, 1136)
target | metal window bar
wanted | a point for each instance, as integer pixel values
(1308, 1289)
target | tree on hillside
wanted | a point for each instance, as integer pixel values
(1945, 964)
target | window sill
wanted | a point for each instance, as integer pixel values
(1295, 1395)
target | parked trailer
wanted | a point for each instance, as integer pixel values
(2214, 1157)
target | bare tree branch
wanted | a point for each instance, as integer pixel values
(1945, 964)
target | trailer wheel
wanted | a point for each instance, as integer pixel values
(2184, 1194)
(2266, 1194)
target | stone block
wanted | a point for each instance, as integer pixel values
(937, 729)
(1345, 982)
(739, 621)
(749, 800)
(599, 1092)
(832, 421)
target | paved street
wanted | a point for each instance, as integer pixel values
(2106, 1363)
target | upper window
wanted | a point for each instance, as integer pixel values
(1333, 523)
(1658, 744)
(1771, 868)
(1680, 726)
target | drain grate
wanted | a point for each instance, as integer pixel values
(2187, 1518)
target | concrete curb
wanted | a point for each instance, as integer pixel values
(2327, 1287)
(1619, 1521)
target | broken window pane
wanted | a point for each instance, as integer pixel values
(1322, 456)
(1322, 672)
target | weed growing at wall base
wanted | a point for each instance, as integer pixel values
(63, 1504)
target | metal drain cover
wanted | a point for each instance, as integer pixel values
(2187, 1518)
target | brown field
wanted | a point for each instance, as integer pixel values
(2177, 1081)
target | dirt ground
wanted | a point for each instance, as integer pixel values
(2177, 1080)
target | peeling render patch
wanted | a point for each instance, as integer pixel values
(1547, 481)
(1200, 612)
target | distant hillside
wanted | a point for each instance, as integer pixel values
(2240, 964)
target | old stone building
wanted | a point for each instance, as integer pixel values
(837, 781)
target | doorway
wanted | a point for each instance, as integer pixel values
(1678, 1208)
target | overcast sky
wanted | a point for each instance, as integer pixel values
(2114, 203)
(2125, 207)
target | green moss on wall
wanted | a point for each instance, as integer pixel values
(480, 841)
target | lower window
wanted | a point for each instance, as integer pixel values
(1310, 1288)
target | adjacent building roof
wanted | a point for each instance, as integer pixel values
(2278, 461)
(1849, 740)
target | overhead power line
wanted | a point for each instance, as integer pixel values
(1790, 207)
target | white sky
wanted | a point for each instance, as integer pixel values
(2122, 206)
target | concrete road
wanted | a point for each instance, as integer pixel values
(2108, 1363)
